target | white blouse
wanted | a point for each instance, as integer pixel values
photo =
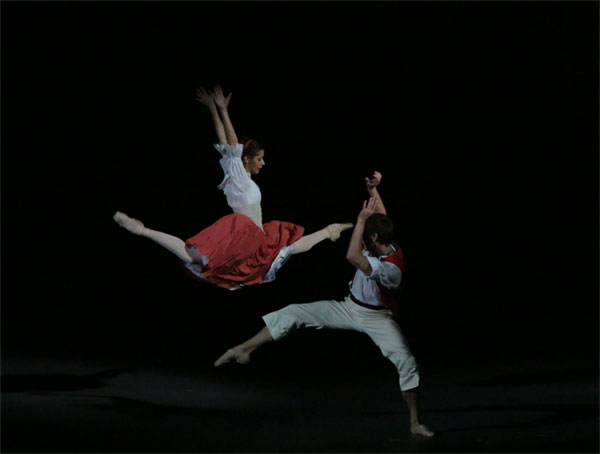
(243, 194)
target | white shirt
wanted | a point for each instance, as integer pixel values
(243, 195)
(365, 289)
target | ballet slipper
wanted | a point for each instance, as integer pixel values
(232, 355)
(130, 224)
(334, 230)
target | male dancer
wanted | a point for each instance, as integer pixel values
(368, 308)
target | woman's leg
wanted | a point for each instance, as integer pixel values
(331, 232)
(169, 242)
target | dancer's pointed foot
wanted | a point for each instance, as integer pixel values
(334, 230)
(420, 429)
(133, 225)
(232, 355)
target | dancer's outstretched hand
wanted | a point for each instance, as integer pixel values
(204, 97)
(374, 180)
(220, 100)
(368, 209)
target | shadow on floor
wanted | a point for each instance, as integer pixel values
(536, 378)
(141, 408)
(558, 414)
(57, 382)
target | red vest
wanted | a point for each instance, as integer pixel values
(387, 295)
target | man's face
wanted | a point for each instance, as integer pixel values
(370, 244)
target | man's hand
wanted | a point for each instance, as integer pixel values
(220, 100)
(374, 180)
(367, 210)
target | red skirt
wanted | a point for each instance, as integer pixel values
(239, 252)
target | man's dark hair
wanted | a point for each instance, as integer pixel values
(381, 225)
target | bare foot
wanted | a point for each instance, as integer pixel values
(232, 355)
(420, 429)
(334, 230)
(130, 224)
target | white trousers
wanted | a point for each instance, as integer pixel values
(377, 324)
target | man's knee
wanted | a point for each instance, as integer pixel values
(405, 364)
(408, 372)
(284, 321)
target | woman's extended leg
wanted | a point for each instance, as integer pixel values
(169, 242)
(331, 232)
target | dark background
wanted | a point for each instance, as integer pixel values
(482, 117)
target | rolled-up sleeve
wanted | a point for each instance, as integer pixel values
(385, 273)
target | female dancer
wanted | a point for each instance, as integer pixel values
(238, 250)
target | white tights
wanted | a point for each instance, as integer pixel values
(177, 245)
(169, 242)
(308, 241)
(189, 255)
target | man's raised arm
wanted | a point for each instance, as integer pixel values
(354, 254)
(372, 184)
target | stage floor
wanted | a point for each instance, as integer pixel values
(80, 406)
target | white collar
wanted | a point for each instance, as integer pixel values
(387, 255)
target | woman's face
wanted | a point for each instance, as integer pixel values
(255, 163)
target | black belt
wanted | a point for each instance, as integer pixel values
(368, 306)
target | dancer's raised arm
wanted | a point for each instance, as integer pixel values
(372, 184)
(208, 100)
(222, 102)
(354, 254)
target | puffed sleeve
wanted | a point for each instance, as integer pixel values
(385, 273)
(232, 151)
(237, 185)
(233, 167)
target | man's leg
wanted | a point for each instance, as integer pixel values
(411, 396)
(320, 314)
(241, 353)
(386, 334)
